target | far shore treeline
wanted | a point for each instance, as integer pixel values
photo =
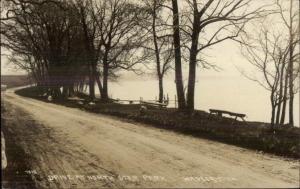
(64, 44)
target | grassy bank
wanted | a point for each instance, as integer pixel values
(282, 141)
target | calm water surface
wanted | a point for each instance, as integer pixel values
(226, 93)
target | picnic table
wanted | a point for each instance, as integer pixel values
(221, 112)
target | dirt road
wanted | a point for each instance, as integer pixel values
(77, 149)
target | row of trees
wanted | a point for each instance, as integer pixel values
(274, 52)
(63, 43)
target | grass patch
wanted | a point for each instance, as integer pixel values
(257, 136)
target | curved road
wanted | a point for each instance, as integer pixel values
(75, 149)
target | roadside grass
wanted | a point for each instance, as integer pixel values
(284, 141)
(15, 175)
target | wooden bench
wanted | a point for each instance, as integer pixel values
(154, 104)
(221, 112)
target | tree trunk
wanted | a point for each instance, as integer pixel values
(81, 86)
(104, 96)
(65, 92)
(273, 110)
(91, 85)
(55, 92)
(291, 93)
(191, 82)
(278, 113)
(88, 41)
(157, 55)
(100, 87)
(282, 119)
(161, 89)
(291, 68)
(273, 117)
(280, 95)
(71, 90)
(177, 49)
(193, 64)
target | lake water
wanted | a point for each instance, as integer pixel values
(230, 93)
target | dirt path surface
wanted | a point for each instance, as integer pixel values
(76, 149)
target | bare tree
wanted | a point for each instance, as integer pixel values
(159, 43)
(209, 23)
(290, 18)
(269, 54)
(177, 52)
(74, 39)
(92, 43)
(120, 36)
